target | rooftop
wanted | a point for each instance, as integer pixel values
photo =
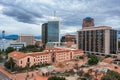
(25, 34)
(37, 53)
(17, 55)
(95, 28)
(88, 18)
(108, 60)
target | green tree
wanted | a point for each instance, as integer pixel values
(87, 75)
(31, 48)
(83, 79)
(107, 56)
(111, 75)
(93, 59)
(23, 49)
(10, 64)
(56, 78)
(9, 49)
(1, 53)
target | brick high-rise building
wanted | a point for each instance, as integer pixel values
(88, 22)
(70, 38)
(101, 39)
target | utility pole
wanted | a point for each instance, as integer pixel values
(27, 75)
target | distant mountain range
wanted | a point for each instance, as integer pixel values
(16, 37)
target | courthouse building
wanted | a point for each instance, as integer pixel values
(53, 55)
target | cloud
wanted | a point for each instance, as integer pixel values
(20, 13)
(71, 12)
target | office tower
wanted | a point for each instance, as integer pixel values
(69, 41)
(70, 38)
(44, 33)
(28, 38)
(50, 31)
(88, 22)
(101, 39)
(53, 31)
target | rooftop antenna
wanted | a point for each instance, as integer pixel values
(54, 13)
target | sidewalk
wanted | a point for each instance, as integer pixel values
(21, 76)
(5, 72)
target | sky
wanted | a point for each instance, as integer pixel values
(27, 16)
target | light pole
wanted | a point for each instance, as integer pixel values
(15, 77)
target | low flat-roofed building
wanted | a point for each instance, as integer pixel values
(4, 43)
(18, 45)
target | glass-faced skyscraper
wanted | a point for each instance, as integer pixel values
(53, 31)
(50, 31)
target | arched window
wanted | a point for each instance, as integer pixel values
(28, 59)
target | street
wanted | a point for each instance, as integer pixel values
(3, 77)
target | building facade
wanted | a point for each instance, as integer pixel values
(28, 38)
(100, 39)
(70, 38)
(48, 56)
(53, 31)
(4, 43)
(88, 22)
(18, 45)
(50, 31)
(44, 33)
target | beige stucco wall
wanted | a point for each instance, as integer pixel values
(76, 54)
(62, 56)
(24, 61)
(35, 60)
(46, 58)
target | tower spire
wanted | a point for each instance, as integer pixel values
(54, 13)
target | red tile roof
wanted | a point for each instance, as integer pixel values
(17, 55)
(38, 53)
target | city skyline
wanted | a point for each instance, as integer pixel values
(27, 17)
